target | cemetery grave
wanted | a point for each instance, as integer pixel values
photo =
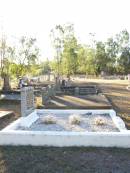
(75, 97)
(48, 127)
(87, 122)
(79, 90)
(13, 95)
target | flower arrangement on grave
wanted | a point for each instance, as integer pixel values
(75, 119)
(48, 119)
(99, 121)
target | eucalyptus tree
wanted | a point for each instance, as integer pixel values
(18, 61)
(70, 51)
(57, 39)
(123, 61)
(100, 57)
(7, 54)
(112, 49)
(27, 56)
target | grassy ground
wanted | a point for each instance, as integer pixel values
(72, 160)
(64, 160)
(10, 106)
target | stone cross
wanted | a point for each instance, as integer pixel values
(27, 101)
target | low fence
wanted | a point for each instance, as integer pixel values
(79, 90)
(109, 77)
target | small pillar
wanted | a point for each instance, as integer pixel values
(45, 96)
(76, 91)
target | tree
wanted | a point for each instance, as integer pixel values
(82, 59)
(27, 56)
(123, 63)
(101, 58)
(123, 60)
(70, 56)
(7, 55)
(112, 48)
(86, 60)
(57, 37)
(67, 44)
(17, 62)
(45, 67)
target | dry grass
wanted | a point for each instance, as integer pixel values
(99, 121)
(49, 119)
(74, 119)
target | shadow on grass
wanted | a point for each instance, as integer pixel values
(63, 160)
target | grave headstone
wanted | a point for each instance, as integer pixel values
(49, 89)
(53, 90)
(57, 84)
(27, 101)
(76, 91)
(45, 96)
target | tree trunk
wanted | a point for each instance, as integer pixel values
(6, 84)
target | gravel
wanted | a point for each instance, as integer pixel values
(87, 124)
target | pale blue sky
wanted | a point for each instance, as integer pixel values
(37, 17)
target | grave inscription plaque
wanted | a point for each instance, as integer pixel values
(27, 100)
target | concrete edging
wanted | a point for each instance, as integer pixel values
(10, 136)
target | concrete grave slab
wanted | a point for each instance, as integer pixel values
(12, 135)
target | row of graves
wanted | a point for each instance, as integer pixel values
(85, 126)
(78, 97)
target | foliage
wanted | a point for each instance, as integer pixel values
(26, 57)
(65, 44)
(57, 37)
(18, 62)
(111, 56)
(71, 57)
(45, 67)
(101, 57)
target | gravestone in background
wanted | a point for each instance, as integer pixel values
(45, 95)
(48, 93)
(27, 101)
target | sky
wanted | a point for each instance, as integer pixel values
(35, 18)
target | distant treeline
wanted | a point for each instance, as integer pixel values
(71, 57)
(111, 57)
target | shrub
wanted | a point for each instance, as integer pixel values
(74, 119)
(99, 121)
(49, 119)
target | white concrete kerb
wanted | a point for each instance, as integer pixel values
(10, 136)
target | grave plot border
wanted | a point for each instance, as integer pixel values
(10, 136)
